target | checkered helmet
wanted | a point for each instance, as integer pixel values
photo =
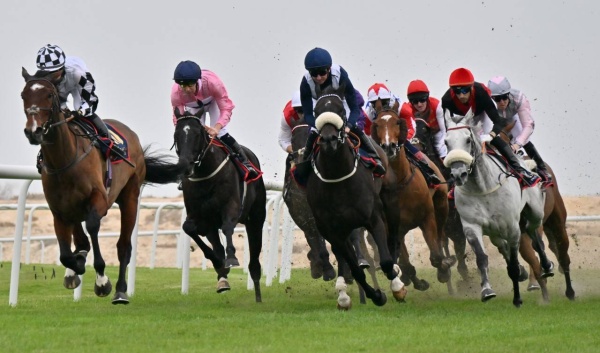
(50, 58)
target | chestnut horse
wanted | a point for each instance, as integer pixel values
(407, 200)
(73, 179)
(216, 198)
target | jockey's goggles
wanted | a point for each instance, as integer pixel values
(419, 100)
(503, 97)
(321, 71)
(461, 89)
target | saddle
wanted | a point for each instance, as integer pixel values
(105, 143)
(241, 168)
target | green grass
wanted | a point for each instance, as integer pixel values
(298, 316)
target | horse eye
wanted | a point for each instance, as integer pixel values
(469, 140)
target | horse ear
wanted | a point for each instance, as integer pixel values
(396, 105)
(25, 74)
(177, 113)
(448, 119)
(469, 118)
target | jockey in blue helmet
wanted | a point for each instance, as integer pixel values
(321, 73)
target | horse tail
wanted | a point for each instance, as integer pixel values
(159, 170)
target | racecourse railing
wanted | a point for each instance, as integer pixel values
(279, 224)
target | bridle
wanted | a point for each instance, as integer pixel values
(474, 150)
(207, 142)
(54, 109)
(395, 147)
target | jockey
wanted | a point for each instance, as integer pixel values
(291, 112)
(195, 88)
(513, 104)
(464, 94)
(73, 78)
(321, 73)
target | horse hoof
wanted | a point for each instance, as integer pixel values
(420, 285)
(328, 273)
(232, 262)
(400, 295)
(344, 302)
(523, 275)
(120, 298)
(380, 298)
(487, 294)
(570, 293)
(548, 272)
(363, 264)
(405, 279)
(443, 276)
(223, 285)
(71, 282)
(316, 270)
(517, 303)
(103, 291)
(533, 286)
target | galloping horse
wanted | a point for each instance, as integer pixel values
(344, 196)
(216, 197)
(295, 199)
(74, 182)
(490, 202)
(407, 200)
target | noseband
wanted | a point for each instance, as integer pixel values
(472, 152)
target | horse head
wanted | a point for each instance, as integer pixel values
(388, 129)
(422, 138)
(464, 146)
(332, 132)
(191, 139)
(41, 105)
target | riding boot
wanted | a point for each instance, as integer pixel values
(368, 147)
(103, 133)
(39, 161)
(529, 179)
(240, 155)
(430, 177)
(541, 166)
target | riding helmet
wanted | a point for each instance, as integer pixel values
(378, 91)
(417, 89)
(461, 77)
(50, 58)
(187, 71)
(316, 58)
(499, 85)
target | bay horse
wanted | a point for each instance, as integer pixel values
(75, 184)
(217, 198)
(343, 196)
(408, 202)
(491, 202)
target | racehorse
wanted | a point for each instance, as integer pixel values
(80, 186)
(295, 199)
(216, 197)
(490, 202)
(554, 225)
(343, 196)
(407, 200)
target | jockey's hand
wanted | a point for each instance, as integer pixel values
(77, 114)
(515, 147)
(347, 129)
(213, 131)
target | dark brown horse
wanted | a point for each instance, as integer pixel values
(73, 179)
(343, 196)
(216, 198)
(407, 200)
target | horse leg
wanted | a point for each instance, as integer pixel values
(514, 272)
(344, 302)
(254, 233)
(355, 237)
(538, 245)
(222, 273)
(409, 272)
(189, 227)
(433, 239)
(388, 265)
(73, 267)
(528, 254)
(558, 239)
(371, 242)
(98, 208)
(474, 237)
(228, 228)
(328, 270)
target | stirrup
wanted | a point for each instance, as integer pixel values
(529, 181)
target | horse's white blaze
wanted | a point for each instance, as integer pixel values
(36, 86)
(69, 273)
(101, 281)
(386, 117)
(186, 130)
